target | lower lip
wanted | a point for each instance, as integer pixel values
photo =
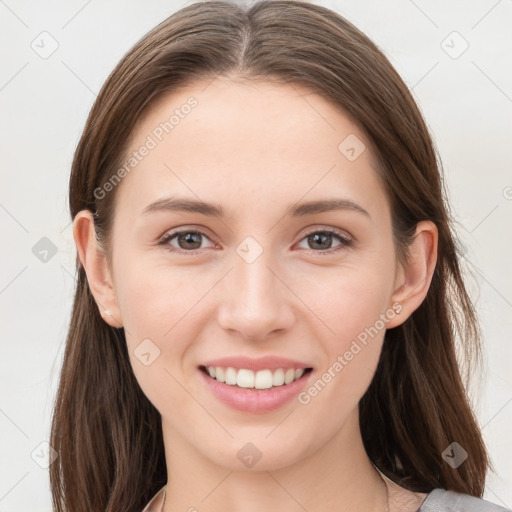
(255, 400)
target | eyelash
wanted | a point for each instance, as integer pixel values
(344, 241)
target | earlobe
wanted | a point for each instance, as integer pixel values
(414, 278)
(94, 262)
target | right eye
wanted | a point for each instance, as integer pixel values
(187, 241)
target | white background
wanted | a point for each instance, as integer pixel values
(467, 103)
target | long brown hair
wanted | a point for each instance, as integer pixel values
(107, 433)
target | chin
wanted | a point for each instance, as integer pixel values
(258, 454)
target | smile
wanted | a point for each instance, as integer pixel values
(262, 379)
(249, 391)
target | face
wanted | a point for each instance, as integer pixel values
(267, 277)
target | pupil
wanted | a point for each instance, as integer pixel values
(326, 238)
(189, 239)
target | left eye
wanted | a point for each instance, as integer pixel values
(324, 238)
(191, 240)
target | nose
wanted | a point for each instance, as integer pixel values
(255, 301)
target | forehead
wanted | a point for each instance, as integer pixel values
(246, 142)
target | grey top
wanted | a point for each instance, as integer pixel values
(437, 500)
(440, 500)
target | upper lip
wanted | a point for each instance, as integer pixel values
(255, 364)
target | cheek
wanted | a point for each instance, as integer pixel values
(155, 306)
(347, 302)
(156, 299)
(350, 359)
(353, 352)
(353, 316)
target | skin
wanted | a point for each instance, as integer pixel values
(255, 149)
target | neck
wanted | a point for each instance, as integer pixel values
(338, 476)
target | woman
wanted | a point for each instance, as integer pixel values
(269, 290)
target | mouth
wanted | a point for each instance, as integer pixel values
(262, 380)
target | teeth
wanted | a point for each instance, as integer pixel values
(262, 379)
(231, 376)
(289, 376)
(220, 375)
(278, 377)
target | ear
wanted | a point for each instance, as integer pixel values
(94, 262)
(413, 279)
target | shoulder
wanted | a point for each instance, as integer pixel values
(155, 504)
(441, 500)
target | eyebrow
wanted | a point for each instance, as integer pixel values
(174, 204)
